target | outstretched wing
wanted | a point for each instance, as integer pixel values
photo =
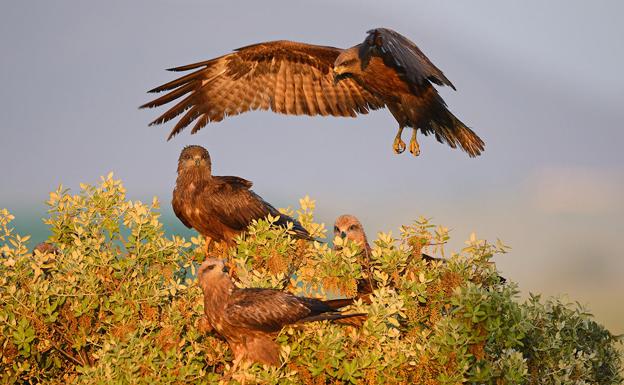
(237, 206)
(403, 55)
(286, 77)
(264, 309)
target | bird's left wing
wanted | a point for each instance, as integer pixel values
(287, 77)
(264, 309)
(237, 206)
(402, 54)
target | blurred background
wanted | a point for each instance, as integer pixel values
(540, 82)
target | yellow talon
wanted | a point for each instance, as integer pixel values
(399, 144)
(414, 147)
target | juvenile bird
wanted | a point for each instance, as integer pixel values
(349, 227)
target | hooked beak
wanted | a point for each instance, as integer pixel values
(343, 235)
(339, 73)
(226, 269)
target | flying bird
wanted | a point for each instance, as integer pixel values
(249, 319)
(219, 207)
(385, 70)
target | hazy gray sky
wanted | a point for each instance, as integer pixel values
(540, 82)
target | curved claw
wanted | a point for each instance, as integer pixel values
(398, 146)
(414, 147)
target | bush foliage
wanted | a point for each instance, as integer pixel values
(119, 303)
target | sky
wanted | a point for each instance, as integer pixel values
(539, 82)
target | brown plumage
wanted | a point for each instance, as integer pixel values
(219, 207)
(349, 227)
(386, 70)
(249, 319)
(46, 248)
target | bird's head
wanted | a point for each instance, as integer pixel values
(213, 272)
(194, 158)
(347, 63)
(349, 227)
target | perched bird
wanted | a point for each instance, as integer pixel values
(349, 227)
(46, 248)
(386, 70)
(249, 319)
(219, 207)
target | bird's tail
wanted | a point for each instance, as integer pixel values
(339, 303)
(354, 319)
(441, 122)
(301, 232)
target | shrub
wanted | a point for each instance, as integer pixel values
(118, 303)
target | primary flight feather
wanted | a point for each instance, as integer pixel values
(386, 70)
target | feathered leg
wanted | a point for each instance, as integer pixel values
(207, 247)
(399, 144)
(414, 147)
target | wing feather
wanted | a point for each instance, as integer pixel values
(286, 77)
(264, 309)
(236, 206)
(402, 54)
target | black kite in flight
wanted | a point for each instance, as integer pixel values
(219, 207)
(249, 319)
(386, 70)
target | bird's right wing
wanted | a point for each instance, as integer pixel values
(284, 76)
(403, 55)
(237, 206)
(264, 309)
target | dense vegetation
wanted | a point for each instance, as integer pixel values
(118, 303)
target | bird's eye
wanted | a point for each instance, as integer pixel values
(210, 267)
(352, 227)
(336, 230)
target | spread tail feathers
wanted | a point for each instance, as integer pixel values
(441, 122)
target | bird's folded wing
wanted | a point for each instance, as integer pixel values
(235, 204)
(286, 77)
(402, 54)
(264, 309)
